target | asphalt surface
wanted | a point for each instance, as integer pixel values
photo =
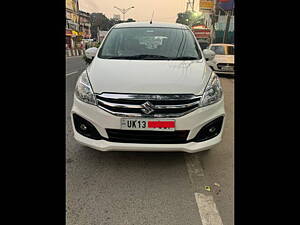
(137, 188)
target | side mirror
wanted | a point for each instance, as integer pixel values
(208, 54)
(90, 53)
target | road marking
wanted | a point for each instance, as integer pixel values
(207, 209)
(194, 167)
(71, 73)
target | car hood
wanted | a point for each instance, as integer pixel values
(224, 58)
(148, 76)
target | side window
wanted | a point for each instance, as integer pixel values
(230, 50)
(219, 50)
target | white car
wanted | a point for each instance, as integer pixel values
(139, 94)
(223, 61)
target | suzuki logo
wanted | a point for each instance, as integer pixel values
(148, 107)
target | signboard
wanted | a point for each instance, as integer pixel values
(206, 4)
(226, 4)
(201, 32)
(69, 4)
(75, 33)
(68, 33)
(72, 5)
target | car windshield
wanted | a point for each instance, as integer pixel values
(150, 43)
(218, 49)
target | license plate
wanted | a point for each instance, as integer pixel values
(147, 124)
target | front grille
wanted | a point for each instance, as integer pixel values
(148, 105)
(147, 137)
(221, 65)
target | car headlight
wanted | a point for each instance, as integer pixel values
(213, 91)
(83, 89)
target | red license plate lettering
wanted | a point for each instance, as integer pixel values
(161, 124)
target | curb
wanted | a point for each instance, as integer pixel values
(74, 52)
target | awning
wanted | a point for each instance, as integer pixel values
(75, 33)
(68, 33)
(72, 33)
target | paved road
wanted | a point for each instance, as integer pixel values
(135, 188)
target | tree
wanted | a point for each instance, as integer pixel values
(190, 18)
(130, 20)
(182, 18)
(99, 20)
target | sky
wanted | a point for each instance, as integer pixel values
(164, 10)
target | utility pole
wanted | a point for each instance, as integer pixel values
(98, 33)
(124, 11)
(227, 26)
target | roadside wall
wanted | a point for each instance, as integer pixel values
(74, 52)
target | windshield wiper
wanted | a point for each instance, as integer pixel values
(185, 58)
(145, 56)
(113, 57)
(137, 57)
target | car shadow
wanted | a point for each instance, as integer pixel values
(229, 76)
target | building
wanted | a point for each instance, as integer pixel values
(219, 13)
(72, 26)
(84, 25)
(78, 24)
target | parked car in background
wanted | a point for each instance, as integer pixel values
(223, 62)
(203, 45)
(148, 90)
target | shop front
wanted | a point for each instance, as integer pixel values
(68, 39)
(73, 39)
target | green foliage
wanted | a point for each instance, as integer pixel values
(182, 18)
(189, 18)
(130, 20)
(99, 20)
(98, 44)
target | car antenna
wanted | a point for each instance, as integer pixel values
(152, 17)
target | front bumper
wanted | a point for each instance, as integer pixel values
(224, 72)
(193, 122)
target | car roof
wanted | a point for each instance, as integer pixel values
(221, 44)
(148, 24)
